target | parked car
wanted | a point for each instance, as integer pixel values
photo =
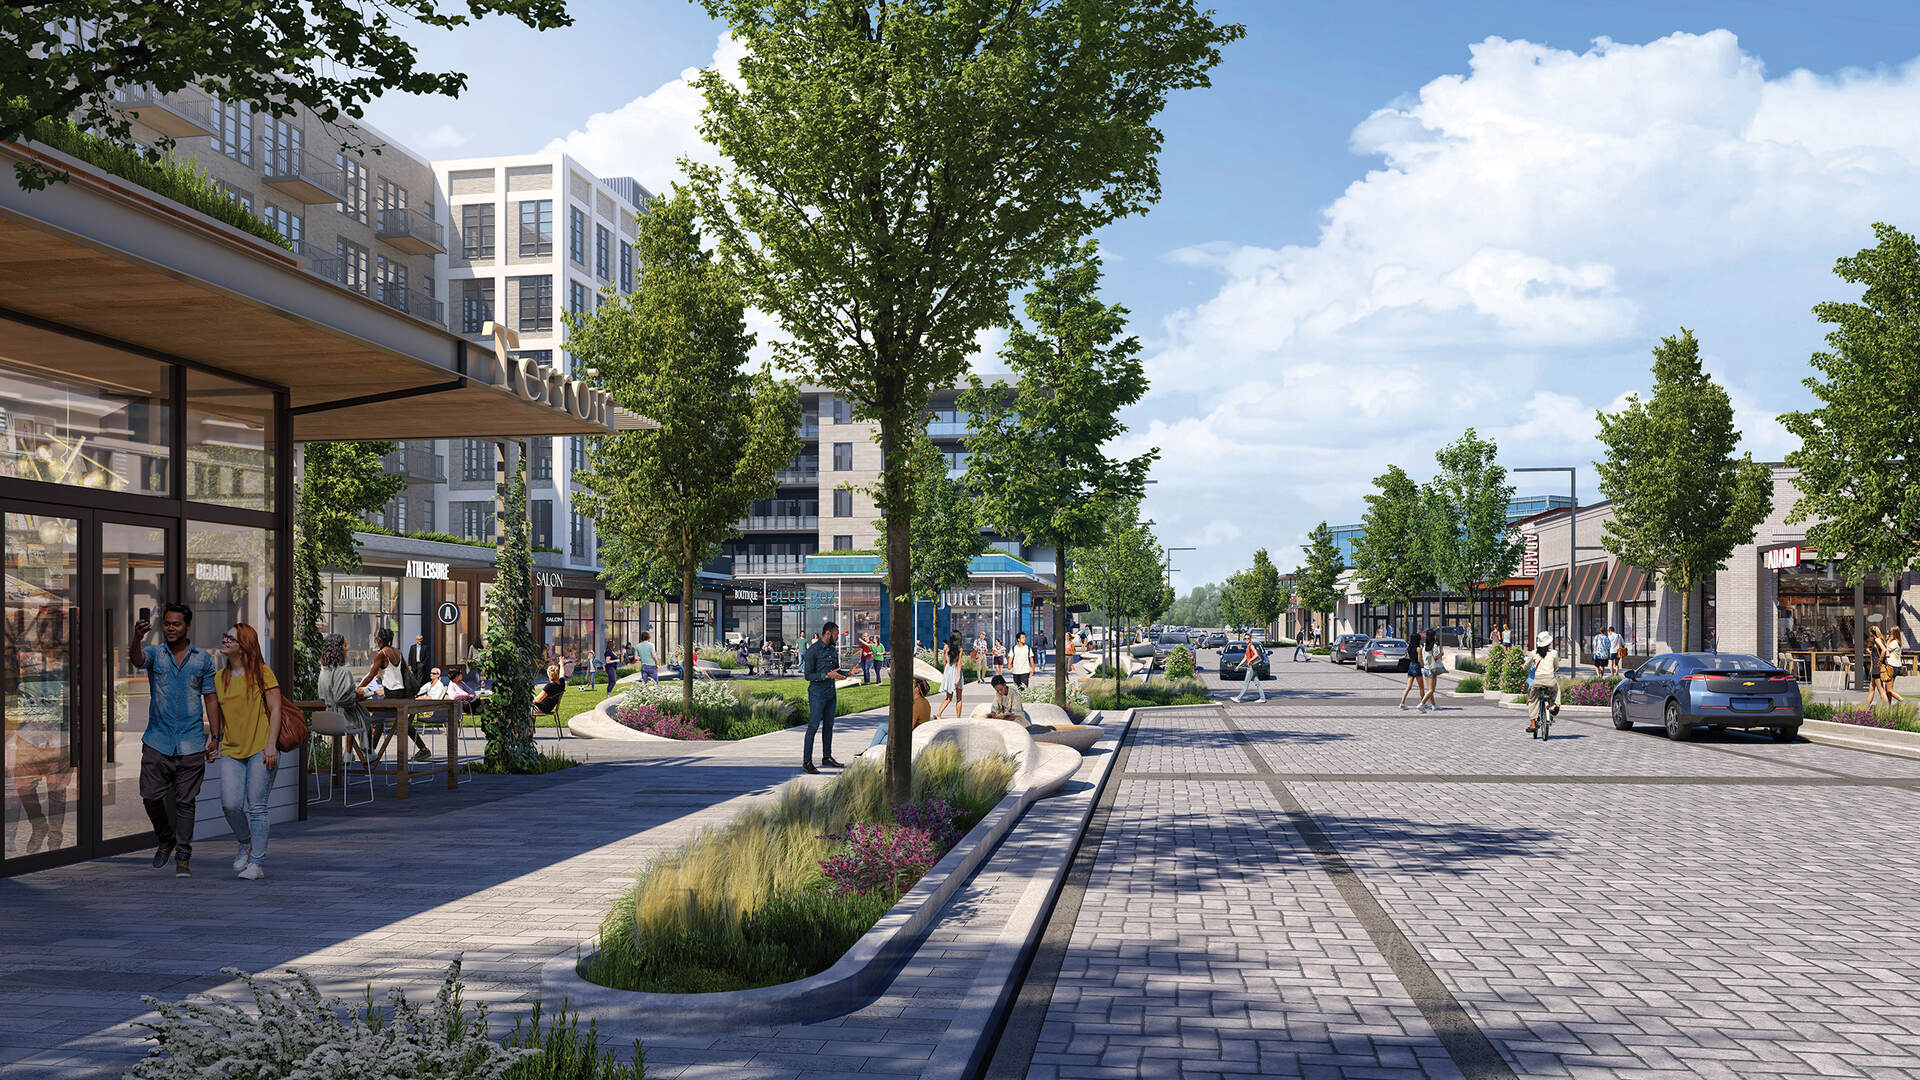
(1260, 636)
(1234, 655)
(1164, 645)
(1213, 639)
(1198, 638)
(1382, 652)
(1346, 648)
(1684, 691)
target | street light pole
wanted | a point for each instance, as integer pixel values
(1573, 552)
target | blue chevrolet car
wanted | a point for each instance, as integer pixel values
(1684, 691)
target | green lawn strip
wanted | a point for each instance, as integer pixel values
(851, 700)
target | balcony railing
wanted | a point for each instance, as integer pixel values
(308, 178)
(780, 523)
(411, 301)
(410, 231)
(947, 429)
(324, 264)
(797, 476)
(770, 564)
(186, 113)
(417, 463)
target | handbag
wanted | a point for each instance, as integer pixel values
(293, 724)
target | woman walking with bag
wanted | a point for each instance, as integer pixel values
(1434, 662)
(1416, 673)
(950, 680)
(249, 732)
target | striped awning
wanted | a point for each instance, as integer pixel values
(1549, 588)
(1589, 583)
(1627, 583)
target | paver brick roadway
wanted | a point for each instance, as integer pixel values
(1325, 886)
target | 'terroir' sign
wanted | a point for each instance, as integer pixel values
(1784, 558)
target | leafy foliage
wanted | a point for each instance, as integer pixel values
(675, 350)
(338, 483)
(1121, 574)
(1200, 607)
(1391, 561)
(510, 658)
(1496, 664)
(1468, 540)
(1859, 454)
(561, 1052)
(1513, 671)
(1472, 684)
(883, 859)
(1681, 500)
(270, 54)
(1180, 663)
(945, 533)
(1253, 596)
(1318, 581)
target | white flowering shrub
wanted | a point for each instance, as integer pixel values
(1042, 692)
(293, 1033)
(707, 694)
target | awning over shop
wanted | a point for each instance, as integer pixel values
(1589, 583)
(1549, 588)
(106, 262)
(1627, 583)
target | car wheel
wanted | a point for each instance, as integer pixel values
(1786, 734)
(1621, 722)
(1677, 731)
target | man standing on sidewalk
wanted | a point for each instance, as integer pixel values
(173, 752)
(820, 666)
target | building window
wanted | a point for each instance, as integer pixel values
(476, 460)
(286, 223)
(602, 252)
(577, 298)
(536, 229)
(356, 180)
(842, 502)
(476, 230)
(577, 534)
(393, 281)
(543, 459)
(392, 195)
(476, 305)
(536, 304)
(280, 144)
(234, 193)
(577, 235)
(626, 266)
(576, 455)
(426, 284)
(353, 264)
(541, 511)
(842, 456)
(842, 543)
(476, 520)
(233, 130)
(426, 514)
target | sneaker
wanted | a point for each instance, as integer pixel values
(161, 855)
(1403, 706)
(252, 872)
(245, 856)
(181, 869)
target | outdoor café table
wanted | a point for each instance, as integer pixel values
(403, 709)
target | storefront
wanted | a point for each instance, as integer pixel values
(997, 603)
(1820, 621)
(146, 457)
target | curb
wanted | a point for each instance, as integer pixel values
(1854, 737)
(1591, 710)
(859, 976)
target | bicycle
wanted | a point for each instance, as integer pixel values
(1541, 709)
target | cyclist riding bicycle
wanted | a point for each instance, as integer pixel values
(1543, 683)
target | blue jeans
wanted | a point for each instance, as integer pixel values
(244, 783)
(1253, 683)
(649, 673)
(611, 674)
(1300, 649)
(821, 700)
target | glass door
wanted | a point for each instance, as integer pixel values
(40, 796)
(133, 583)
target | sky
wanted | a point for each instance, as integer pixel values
(1387, 222)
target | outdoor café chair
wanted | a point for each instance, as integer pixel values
(328, 724)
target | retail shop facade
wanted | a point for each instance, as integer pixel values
(997, 601)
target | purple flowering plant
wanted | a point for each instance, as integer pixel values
(648, 719)
(888, 859)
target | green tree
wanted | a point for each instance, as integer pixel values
(1200, 607)
(1318, 580)
(1120, 571)
(898, 168)
(946, 531)
(510, 658)
(675, 350)
(1681, 500)
(1468, 540)
(1258, 595)
(1042, 452)
(272, 55)
(339, 483)
(1391, 561)
(1859, 455)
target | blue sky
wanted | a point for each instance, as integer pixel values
(1388, 221)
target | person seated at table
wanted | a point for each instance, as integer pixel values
(338, 690)
(1006, 704)
(549, 697)
(922, 712)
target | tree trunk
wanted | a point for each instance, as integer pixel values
(1686, 618)
(898, 486)
(686, 640)
(1060, 626)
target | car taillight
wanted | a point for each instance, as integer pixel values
(1779, 676)
(1698, 676)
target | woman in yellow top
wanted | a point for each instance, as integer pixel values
(248, 727)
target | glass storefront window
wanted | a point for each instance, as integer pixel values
(38, 724)
(359, 604)
(230, 580)
(230, 442)
(1636, 625)
(575, 633)
(1814, 615)
(83, 415)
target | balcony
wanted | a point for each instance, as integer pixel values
(186, 113)
(780, 523)
(320, 263)
(411, 301)
(303, 177)
(798, 476)
(769, 564)
(411, 231)
(417, 463)
(948, 429)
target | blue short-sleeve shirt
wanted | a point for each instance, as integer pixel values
(175, 716)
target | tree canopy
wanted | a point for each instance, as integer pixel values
(1681, 500)
(1392, 561)
(1859, 455)
(1469, 542)
(1318, 581)
(946, 531)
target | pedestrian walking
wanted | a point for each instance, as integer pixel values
(1506, 635)
(950, 680)
(821, 668)
(1249, 661)
(1892, 660)
(1433, 662)
(1021, 661)
(1416, 677)
(388, 669)
(1040, 646)
(649, 660)
(866, 658)
(1300, 649)
(417, 664)
(248, 727)
(173, 751)
(611, 662)
(1876, 667)
(999, 657)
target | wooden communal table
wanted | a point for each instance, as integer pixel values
(402, 709)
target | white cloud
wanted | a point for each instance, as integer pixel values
(647, 137)
(1532, 227)
(443, 139)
